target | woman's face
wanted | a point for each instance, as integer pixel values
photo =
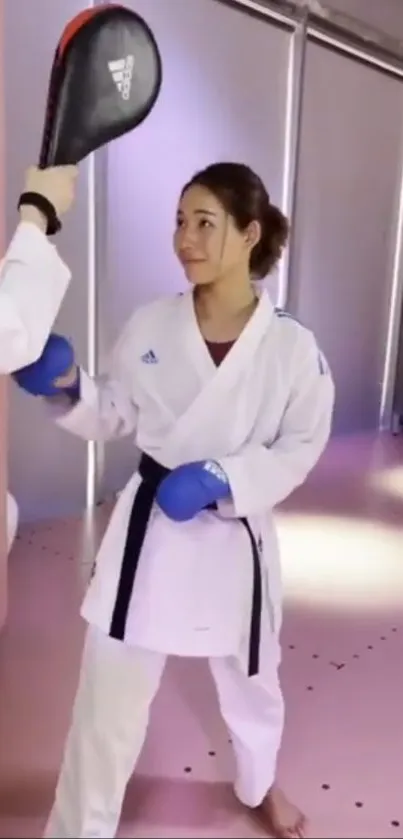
(206, 240)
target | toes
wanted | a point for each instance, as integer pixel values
(298, 831)
(302, 827)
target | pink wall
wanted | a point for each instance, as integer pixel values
(3, 380)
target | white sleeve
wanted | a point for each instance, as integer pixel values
(260, 476)
(105, 410)
(33, 282)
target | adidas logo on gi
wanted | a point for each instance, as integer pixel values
(149, 357)
(122, 74)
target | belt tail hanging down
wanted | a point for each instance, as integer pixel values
(152, 473)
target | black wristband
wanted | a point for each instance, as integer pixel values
(35, 199)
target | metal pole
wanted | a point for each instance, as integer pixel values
(295, 93)
(386, 417)
(281, 12)
(97, 261)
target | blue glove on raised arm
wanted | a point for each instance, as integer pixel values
(189, 489)
(56, 360)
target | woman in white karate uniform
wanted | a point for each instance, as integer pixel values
(230, 402)
(31, 290)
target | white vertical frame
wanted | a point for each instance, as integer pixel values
(97, 260)
(294, 102)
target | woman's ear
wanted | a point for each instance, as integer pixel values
(253, 234)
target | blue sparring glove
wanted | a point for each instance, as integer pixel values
(56, 360)
(187, 490)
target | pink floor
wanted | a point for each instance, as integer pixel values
(342, 758)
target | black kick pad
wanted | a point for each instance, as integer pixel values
(105, 80)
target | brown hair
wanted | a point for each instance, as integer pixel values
(244, 197)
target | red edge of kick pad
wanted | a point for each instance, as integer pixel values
(77, 22)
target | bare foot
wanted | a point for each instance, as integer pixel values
(282, 818)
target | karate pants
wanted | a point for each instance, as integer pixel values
(116, 688)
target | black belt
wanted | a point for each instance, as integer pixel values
(152, 473)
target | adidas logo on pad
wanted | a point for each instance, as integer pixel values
(122, 74)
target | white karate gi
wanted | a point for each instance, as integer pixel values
(265, 416)
(33, 282)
